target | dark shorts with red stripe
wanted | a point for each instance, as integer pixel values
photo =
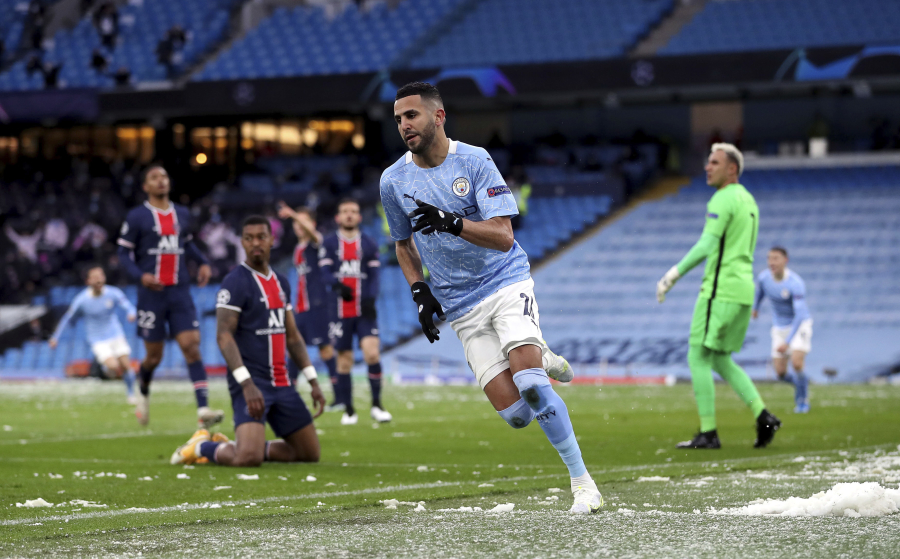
(165, 313)
(343, 330)
(285, 411)
(313, 325)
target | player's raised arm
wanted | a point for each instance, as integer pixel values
(296, 347)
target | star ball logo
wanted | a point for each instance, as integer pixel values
(461, 186)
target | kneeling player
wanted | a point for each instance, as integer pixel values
(254, 327)
(791, 322)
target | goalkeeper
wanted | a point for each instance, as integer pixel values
(722, 312)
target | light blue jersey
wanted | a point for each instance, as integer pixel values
(466, 183)
(788, 298)
(99, 313)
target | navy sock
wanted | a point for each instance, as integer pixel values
(345, 392)
(146, 377)
(375, 383)
(331, 364)
(198, 376)
(208, 450)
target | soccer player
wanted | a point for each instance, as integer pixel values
(97, 304)
(349, 264)
(451, 199)
(722, 312)
(310, 301)
(254, 327)
(158, 232)
(791, 322)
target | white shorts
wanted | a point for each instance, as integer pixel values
(504, 321)
(111, 348)
(802, 340)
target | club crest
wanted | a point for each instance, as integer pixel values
(461, 186)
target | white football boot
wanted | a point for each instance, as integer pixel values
(380, 415)
(206, 417)
(142, 409)
(557, 367)
(349, 419)
(587, 501)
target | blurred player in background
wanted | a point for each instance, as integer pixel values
(722, 312)
(158, 233)
(97, 304)
(791, 322)
(310, 301)
(254, 328)
(451, 198)
(349, 264)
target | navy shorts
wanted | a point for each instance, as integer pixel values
(173, 306)
(285, 412)
(343, 330)
(313, 326)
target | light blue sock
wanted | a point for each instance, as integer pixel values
(128, 377)
(802, 388)
(552, 415)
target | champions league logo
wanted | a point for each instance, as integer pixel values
(461, 186)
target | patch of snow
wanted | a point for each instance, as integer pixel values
(248, 477)
(34, 503)
(485, 485)
(844, 499)
(652, 478)
(221, 487)
(507, 507)
(183, 476)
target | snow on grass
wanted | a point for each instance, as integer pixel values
(248, 477)
(652, 478)
(34, 503)
(852, 499)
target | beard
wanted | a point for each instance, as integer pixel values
(426, 138)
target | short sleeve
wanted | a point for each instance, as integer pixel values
(718, 214)
(798, 290)
(493, 196)
(232, 295)
(398, 221)
(129, 232)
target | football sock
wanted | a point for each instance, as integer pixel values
(375, 384)
(146, 377)
(802, 394)
(518, 415)
(198, 376)
(739, 381)
(207, 449)
(344, 392)
(700, 363)
(331, 365)
(552, 415)
(128, 377)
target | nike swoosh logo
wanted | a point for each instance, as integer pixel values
(416, 291)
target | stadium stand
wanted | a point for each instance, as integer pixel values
(840, 226)
(535, 31)
(746, 25)
(302, 41)
(141, 27)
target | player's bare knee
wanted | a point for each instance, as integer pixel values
(326, 351)
(372, 357)
(248, 459)
(797, 363)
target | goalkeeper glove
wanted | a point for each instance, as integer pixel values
(432, 219)
(665, 284)
(345, 291)
(428, 305)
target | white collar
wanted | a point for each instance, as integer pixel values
(269, 276)
(453, 146)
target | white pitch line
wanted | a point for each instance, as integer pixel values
(280, 499)
(101, 436)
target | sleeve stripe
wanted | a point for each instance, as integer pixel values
(326, 262)
(124, 243)
(229, 307)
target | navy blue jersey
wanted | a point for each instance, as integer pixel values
(310, 287)
(263, 302)
(353, 262)
(159, 240)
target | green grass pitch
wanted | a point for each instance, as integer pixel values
(77, 445)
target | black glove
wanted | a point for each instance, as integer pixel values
(427, 306)
(368, 309)
(344, 290)
(432, 219)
